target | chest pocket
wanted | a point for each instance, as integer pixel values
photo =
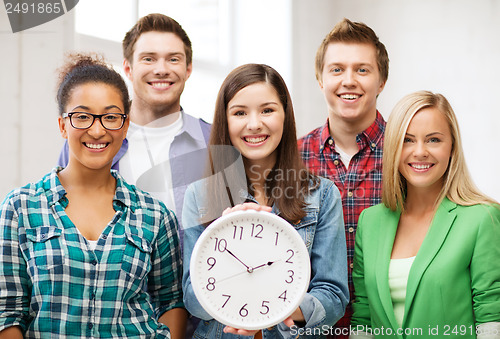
(44, 248)
(136, 261)
(306, 227)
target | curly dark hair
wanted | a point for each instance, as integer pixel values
(82, 68)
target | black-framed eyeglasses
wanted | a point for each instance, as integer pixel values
(83, 120)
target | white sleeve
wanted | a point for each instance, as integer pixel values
(490, 330)
(361, 335)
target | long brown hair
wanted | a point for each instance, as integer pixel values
(289, 174)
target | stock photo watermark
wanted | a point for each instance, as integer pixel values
(26, 14)
(425, 332)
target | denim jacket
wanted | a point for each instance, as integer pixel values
(322, 230)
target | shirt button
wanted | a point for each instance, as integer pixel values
(336, 162)
(94, 262)
(330, 142)
(351, 229)
(104, 236)
(90, 326)
(349, 194)
(44, 235)
(351, 265)
(373, 145)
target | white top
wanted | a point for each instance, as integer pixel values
(399, 269)
(92, 243)
(344, 157)
(146, 163)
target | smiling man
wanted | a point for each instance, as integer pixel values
(166, 147)
(158, 63)
(352, 67)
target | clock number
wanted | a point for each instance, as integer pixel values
(283, 296)
(211, 262)
(291, 255)
(276, 242)
(236, 231)
(291, 277)
(264, 306)
(211, 284)
(257, 228)
(225, 302)
(243, 311)
(220, 245)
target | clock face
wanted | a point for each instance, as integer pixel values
(250, 269)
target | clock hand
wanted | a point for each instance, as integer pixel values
(269, 263)
(232, 276)
(249, 269)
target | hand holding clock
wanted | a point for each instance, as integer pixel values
(247, 206)
(228, 329)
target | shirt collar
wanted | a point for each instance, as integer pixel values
(325, 134)
(54, 190)
(375, 132)
(121, 152)
(245, 196)
(372, 136)
(191, 126)
(124, 193)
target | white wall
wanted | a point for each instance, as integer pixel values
(448, 46)
(29, 136)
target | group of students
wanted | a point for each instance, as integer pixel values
(87, 252)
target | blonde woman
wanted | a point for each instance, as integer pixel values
(426, 260)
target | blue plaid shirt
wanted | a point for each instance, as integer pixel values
(52, 283)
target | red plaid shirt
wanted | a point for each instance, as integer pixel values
(360, 185)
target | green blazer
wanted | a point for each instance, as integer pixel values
(453, 284)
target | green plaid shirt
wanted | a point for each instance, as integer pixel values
(53, 285)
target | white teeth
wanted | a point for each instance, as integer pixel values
(160, 85)
(255, 140)
(420, 167)
(349, 96)
(95, 146)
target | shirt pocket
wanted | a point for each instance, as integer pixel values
(306, 226)
(44, 246)
(136, 261)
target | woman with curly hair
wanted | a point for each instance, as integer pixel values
(82, 253)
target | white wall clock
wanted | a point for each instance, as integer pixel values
(250, 269)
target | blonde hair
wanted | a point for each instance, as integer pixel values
(458, 186)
